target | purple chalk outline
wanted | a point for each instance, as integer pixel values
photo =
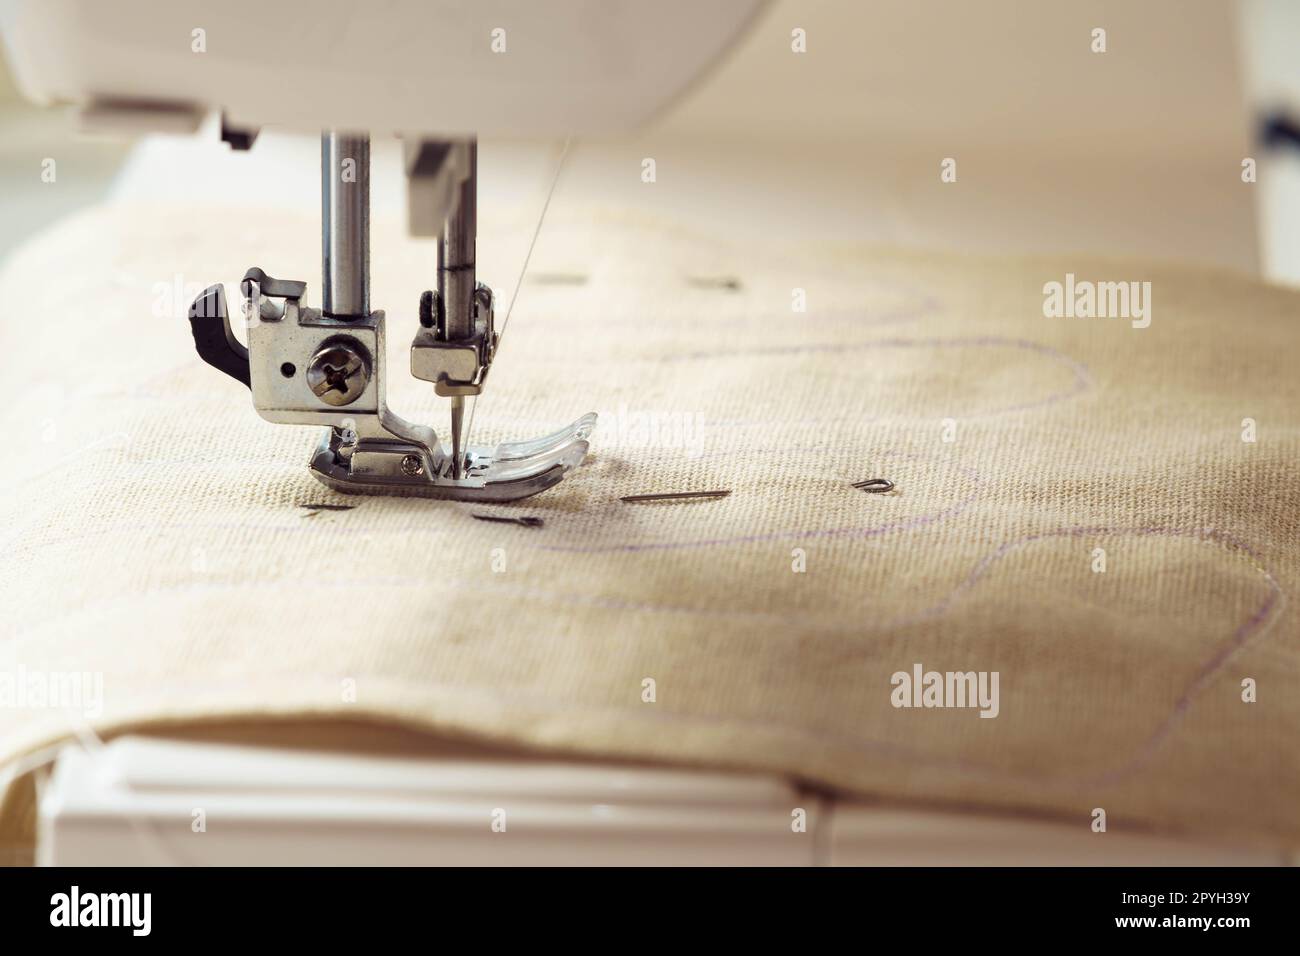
(1250, 630)
(1082, 376)
(1252, 627)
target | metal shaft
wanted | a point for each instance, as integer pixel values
(457, 281)
(345, 224)
(456, 274)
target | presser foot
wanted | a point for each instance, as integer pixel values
(508, 472)
(307, 368)
(328, 366)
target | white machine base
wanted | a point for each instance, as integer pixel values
(149, 801)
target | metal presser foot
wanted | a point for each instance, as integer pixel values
(326, 366)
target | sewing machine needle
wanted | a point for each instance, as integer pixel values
(457, 417)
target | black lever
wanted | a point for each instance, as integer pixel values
(215, 342)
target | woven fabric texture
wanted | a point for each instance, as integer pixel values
(158, 533)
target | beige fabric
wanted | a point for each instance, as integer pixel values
(153, 528)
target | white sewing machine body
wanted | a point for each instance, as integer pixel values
(441, 68)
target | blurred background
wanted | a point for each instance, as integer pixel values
(845, 141)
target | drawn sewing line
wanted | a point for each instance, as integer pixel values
(1252, 627)
(1082, 381)
(1257, 624)
(897, 315)
(1081, 376)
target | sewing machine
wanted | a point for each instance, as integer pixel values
(438, 73)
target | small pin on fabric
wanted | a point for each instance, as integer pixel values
(524, 521)
(874, 486)
(727, 283)
(675, 496)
